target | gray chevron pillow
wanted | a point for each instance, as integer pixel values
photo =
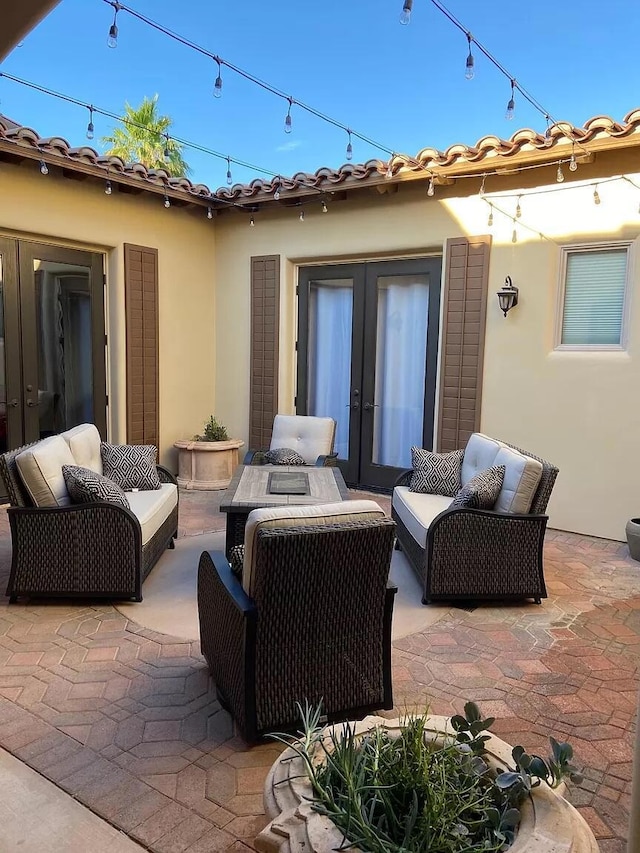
(436, 473)
(283, 456)
(481, 492)
(131, 466)
(86, 486)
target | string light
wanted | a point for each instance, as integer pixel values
(389, 172)
(107, 188)
(90, 127)
(481, 190)
(573, 163)
(287, 119)
(209, 213)
(349, 153)
(44, 169)
(276, 194)
(490, 219)
(596, 195)
(252, 222)
(469, 70)
(511, 106)
(324, 207)
(301, 217)
(229, 176)
(167, 203)
(518, 208)
(559, 174)
(548, 139)
(217, 86)
(405, 15)
(166, 152)
(431, 190)
(112, 40)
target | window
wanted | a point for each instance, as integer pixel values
(593, 306)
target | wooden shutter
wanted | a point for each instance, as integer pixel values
(141, 307)
(463, 333)
(265, 316)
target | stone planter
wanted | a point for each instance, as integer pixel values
(206, 464)
(549, 823)
(633, 537)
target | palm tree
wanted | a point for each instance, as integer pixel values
(144, 138)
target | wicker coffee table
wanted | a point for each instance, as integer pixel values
(256, 486)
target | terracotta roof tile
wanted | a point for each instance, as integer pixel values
(489, 149)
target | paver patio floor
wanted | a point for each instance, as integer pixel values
(126, 720)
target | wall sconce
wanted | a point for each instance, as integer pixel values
(507, 295)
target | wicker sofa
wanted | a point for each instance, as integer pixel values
(309, 620)
(476, 554)
(90, 550)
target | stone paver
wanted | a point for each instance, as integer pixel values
(127, 721)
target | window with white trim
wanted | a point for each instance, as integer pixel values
(594, 297)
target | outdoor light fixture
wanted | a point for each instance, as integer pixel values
(405, 15)
(90, 127)
(349, 153)
(217, 87)
(287, 118)
(469, 71)
(112, 40)
(44, 169)
(507, 296)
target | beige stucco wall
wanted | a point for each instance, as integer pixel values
(79, 214)
(580, 410)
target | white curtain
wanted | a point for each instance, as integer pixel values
(330, 323)
(401, 347)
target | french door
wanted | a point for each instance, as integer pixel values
(367, 353)
(52, 341)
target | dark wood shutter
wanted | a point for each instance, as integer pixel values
(265, 326)
(141, 307)
(463, 333)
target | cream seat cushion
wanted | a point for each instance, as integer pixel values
(417, 510)
(40, 468)
(84, 444)
(153, 507)
(300, 516)
(309, 436)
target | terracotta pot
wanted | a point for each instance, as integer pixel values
(549, 824)
(207, 464)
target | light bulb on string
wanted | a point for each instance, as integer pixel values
(287, 119)
(596, 195)
(90, 128)
(44, 169)
(252, 222)
(559, 174)
(469, 69)
(349, 152)
(209, 213)
(301, 217)
(112, 40)
(229, 176)
(276, 194)
(405, 15)
(490, 219)
(518, 208)
(511, 106)
(108, 188)
(573, 163)
(389, 172)
(548, 139)
(481, 190)
(167, 203)
(167, 151)
(431, 189)
(325, 209)
(217, 86)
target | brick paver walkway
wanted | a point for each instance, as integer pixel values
(126, 720)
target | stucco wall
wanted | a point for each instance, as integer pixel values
(79, 214)
(580, 410)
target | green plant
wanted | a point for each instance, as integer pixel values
(418, 792)
(213, 431)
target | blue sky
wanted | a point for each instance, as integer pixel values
(402, 86)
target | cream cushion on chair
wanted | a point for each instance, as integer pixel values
(300, 516)
(40, 467)
(309, 436)
(84, 443)
(417, 510)
(153, 507)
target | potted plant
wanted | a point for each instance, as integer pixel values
(421, 783)
(207, 461)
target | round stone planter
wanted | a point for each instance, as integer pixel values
(633, 537)
(549, 823)
(207, 464)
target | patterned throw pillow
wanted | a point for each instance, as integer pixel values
(283, 456)
(436, 473)
(481, 492)
(131, 466)
(86, 486)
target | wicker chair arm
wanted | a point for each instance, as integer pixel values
(329, 460)
(254, 457)
(405, 478)
(472, 522)
(165, 476)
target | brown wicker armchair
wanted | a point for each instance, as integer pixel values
(473, 554)
(316, 626)
(92, 550)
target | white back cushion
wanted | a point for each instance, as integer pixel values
(309, 436)
(521, 479)
(84, 444)
(40, 467)
(299, 516)
(479, 454)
